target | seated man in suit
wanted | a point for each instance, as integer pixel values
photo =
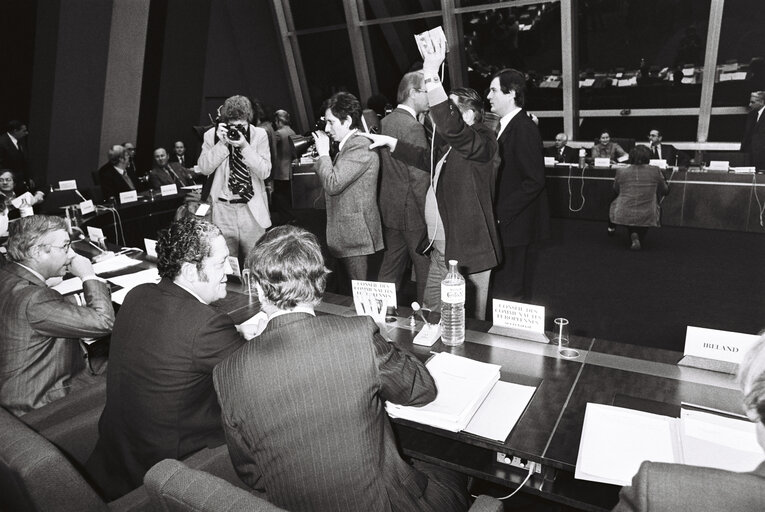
(168, 173)
(561, 151)
(676, 487)
(114, 176)
(160, 401)
(666, 152)
(179, 154)
(40, 353)
(304, 403)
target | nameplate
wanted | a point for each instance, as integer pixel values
(713, 349)
(549, 161)
(168, 190)
(658, 162)
(130, 196)
(202, 210)
(233, 261)
(518, 320)
(383, 293)
(151, 247)
(718, 165)
(24, 200)
(87, 207)
(67, 185)
(95, 234)
(602, 162)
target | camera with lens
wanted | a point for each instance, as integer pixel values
(234, 132)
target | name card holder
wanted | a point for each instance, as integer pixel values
(658, 162)
(87, 207)
(715, 350)
(602, 162)
(168, 190)
(384, 293)
(519, 320)
(549, 161)
(67, 185)
(131, 196)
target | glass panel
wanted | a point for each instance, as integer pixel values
(394, 52)
(673, 128)
(726, 128)
(375, 9)
(741, 55)
(328, 65)
(313, 14)
(526, 38)
(638, 53)
(549, 127)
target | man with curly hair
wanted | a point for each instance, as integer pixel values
(237, 160)
(160, 401)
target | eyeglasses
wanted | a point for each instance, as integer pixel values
(6, 180)
(64, 247)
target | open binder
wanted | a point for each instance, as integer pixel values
(470, 398)
(615, 441)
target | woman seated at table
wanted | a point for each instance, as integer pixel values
(639, 188)
(608, 149)
(677, 487)
(8, 194)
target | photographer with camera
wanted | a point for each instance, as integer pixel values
(237, 160)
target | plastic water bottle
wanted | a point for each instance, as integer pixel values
(582, 155)
(453, 307)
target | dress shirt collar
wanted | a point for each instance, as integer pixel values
(408, 109)
(190, 291)
(506, 120)
(759, 113)
(14, 140)
(33, 271)
(296, 309)
(120, 170)
(345, 139)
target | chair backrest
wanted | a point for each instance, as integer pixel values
(173, 486)
(626, 144)
(35, 475)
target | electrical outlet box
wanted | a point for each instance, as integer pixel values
(517, 462)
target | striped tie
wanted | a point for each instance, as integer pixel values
(239, 179)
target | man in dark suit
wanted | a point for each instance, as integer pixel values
(666, 152)
(160, 401)
(168, 173)
(114, 176)
(13, 154)
(403, 188)
(561, 152)
(521, 205)
(304, 403)
(40, 353)
(179, 154)
(753, 141)
(681, 488)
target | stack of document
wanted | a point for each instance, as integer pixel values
(462, 384)
(615, 441)
(130, 281)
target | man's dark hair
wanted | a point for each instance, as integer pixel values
(640, 155)
(470, 99)
(187, 240)
(512, 80)
(345, 104)
(657, 131)
(236, 108)
(14, 125)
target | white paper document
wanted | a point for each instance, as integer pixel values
(462, 384)
(113, 264)
(498, 414)
(130, 281)
(66, 286)
(719, 442)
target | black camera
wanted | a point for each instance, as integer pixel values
(235, 132)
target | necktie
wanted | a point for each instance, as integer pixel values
(656, 152)
(238, 177)
(128, 180)
(177, 178)
(180, 160)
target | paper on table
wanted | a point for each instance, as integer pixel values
(117, 263)
(715, 441)
(615, 441)
(499, 413)
(73, 284)
(130, 281)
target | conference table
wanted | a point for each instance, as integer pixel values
(549, 430)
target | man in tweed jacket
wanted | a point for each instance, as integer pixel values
(303, 403)
(354, 230)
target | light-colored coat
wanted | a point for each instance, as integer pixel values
(350, 188)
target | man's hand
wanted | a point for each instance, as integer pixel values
(39, 196)
(379, 141)
(222, 132)
(322, 143)
(80, 266)
(433, 58)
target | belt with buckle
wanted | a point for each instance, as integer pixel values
(233, 201)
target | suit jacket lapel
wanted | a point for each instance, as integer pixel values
(23, 273)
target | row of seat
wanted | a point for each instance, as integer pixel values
(43, 452)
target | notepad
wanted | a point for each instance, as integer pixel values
(615, 441)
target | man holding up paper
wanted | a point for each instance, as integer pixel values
(160, 401)
(308, 427)
(39, 329)
(676, 487)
